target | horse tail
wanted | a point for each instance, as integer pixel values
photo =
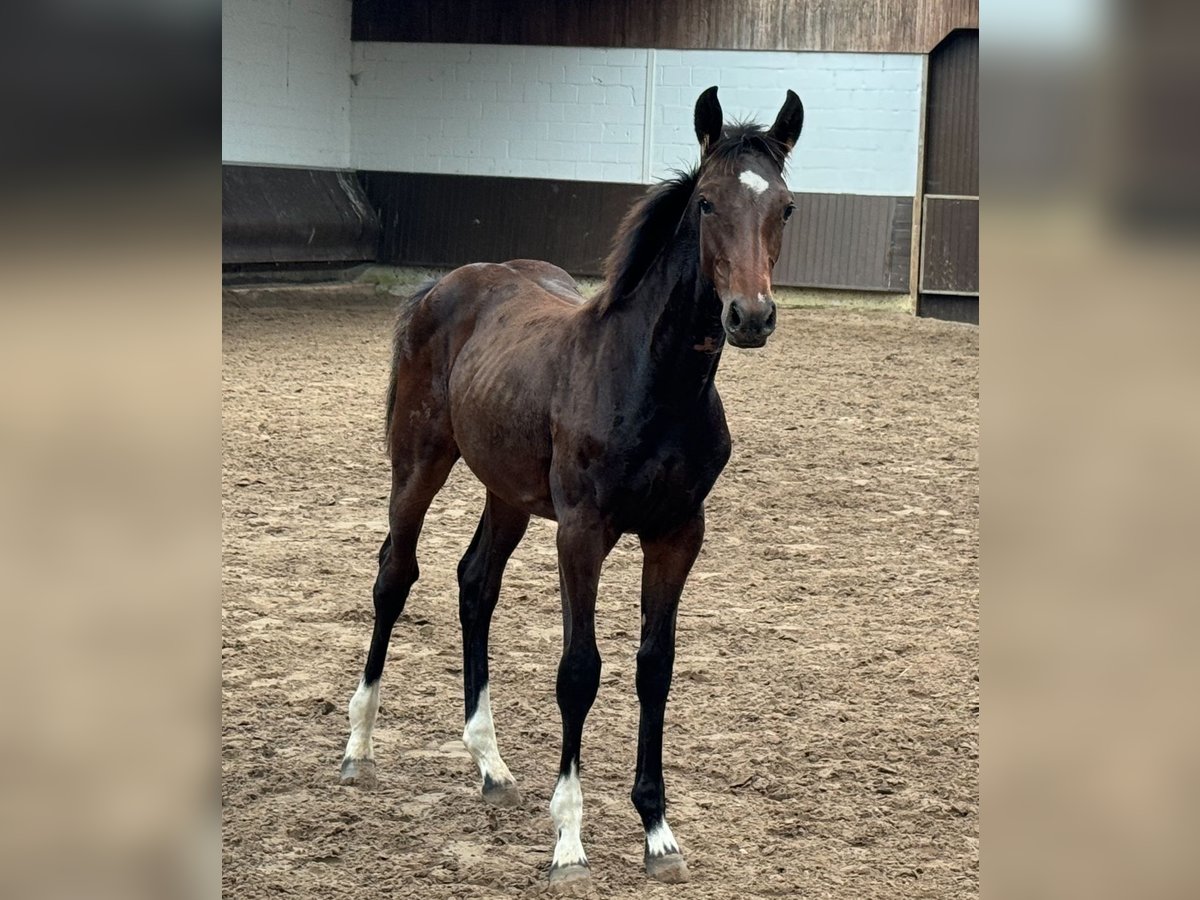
(403, 315)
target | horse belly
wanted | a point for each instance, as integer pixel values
(514, 474)
(503, 436)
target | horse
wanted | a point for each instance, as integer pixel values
(601, 415)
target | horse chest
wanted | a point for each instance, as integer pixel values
(671, 481)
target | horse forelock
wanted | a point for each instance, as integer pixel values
(742, 138)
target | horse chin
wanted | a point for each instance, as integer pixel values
(746, 343)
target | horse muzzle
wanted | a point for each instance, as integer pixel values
(749, 322)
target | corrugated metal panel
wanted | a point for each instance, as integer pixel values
(877, 26)
(847, 241)
(950, 246)
(952, 117)
(949, 280)
(834, 240)
(278, 215)
(952, 309)
(451, 220)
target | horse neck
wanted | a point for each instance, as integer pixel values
(670, 324)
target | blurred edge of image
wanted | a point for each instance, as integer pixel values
(110, 449)
(110, 260)
(1091, 225)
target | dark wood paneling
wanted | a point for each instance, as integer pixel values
(276, 215)
(881, 26)
(451, 220)
(940, 17)
(949, 280)
(952, 117)
(836, 241)
(950, 251)
(847, 241)
(952, 309)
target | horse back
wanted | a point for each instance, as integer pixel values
(548, 277)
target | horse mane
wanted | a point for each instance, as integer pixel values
(640, 237)
(652, 220)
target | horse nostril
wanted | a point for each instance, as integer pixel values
(735, 319)
(770, 324)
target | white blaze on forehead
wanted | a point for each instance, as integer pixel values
(753, 181)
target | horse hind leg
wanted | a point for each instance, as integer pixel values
(416, 479)
(479, 574)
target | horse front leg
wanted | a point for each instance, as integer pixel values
(582, 547)
(667, 561)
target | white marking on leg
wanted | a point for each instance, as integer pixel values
(566, 808)
(480, 739)
(364, 706)
(753, 181)
(660, 841)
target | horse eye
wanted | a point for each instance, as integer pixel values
(705, 207)
(787, 213)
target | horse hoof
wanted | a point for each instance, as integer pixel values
(501, 793)
(359, 772)
(669, 868)
(577, 874)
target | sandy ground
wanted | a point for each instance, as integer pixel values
(822, 734)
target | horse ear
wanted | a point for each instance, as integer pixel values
(708, 120)
(789, 121)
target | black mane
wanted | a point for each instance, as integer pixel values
(652, 221)
(644, 230)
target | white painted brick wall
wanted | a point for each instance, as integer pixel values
(581, 113)
(285, 82)
(542, 112)
(862, 112)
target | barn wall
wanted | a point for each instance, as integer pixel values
(285, 82)
(834, 240)
(536, 112)
(874, 26)
(277, 215)
(584, 113)
(862, 112)
(949, 274)
(507, 123)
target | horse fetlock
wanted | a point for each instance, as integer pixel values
(566, 809)
(663, 860)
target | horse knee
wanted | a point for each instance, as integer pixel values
(578, 678)
(395, 579)
(654, 667)
(475, 601)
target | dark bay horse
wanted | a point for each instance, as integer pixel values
(602, 415)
